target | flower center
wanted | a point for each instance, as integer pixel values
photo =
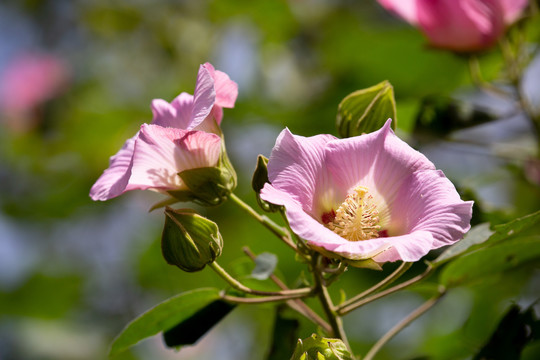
(356, 218)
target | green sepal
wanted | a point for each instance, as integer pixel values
(208, 186)
(260, 177)
(189, 240)
(366, 110)
(365, 261)
(319, 348)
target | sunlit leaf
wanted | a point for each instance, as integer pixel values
(482, 235)
(477, 235)
(515, 227)
(490, 261)
(163, 317)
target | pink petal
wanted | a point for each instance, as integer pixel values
(428, 201)
(404, 8)
(226, 89)
(203, 98)
(379, 161)
(161, 153)
(114, 179)
(296, 166)
(177, 114)
(512, 9)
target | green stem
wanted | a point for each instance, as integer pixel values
(479, 82)
(279, 231)
(385, 282)
(296, 304)
(403, 324)
(260, 300)
(295, 293)
(347, 308)
(326, 301)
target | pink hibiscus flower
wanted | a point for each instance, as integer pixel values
(459, 25)
(184, 135)
(365, 197)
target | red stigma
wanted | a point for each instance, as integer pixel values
(328, 217)
(383, 233)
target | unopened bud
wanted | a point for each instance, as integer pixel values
(260, 177)
(366, 110)
(189, 240)
(319, 348)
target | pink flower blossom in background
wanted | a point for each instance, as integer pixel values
(27, 82)
(184, 135)
(459, 25)
(370, 196)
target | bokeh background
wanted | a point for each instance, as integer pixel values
(74, 272)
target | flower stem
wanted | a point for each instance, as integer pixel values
(347, 308)
(478, 80)
(326, 301)
(385, 282)
(290, 294)
(295, 304)
(279, 231)
(403, 324)
(260, 300)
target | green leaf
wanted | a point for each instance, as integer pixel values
(516, 329)
(490, 261)
(366, 110)
(265, 264)
(188, 331)
(163, 317)
(482, 236)
(284, 337)
(477, 235)
(515, 227)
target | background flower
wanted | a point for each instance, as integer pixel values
(459, 25)
(370, 196)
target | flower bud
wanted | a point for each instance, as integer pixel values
(366, 110)
(319, 348)
(189, 240)
(260, 177)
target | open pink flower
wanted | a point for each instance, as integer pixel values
(184, 135)
(365, 197)
(459, 25)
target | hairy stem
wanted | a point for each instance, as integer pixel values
(347, 308)
(380, 285)
(296, 293)
(403, 324)
(279, 231)
(322, 292)
(295, 304)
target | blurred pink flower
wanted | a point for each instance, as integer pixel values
(184, 135)
(31, 79)
(459, 25)
(365, 197)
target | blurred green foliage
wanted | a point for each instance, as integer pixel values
(89, 268)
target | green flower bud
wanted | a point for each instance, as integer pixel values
(366, 110)
(189, 240)
(319, 348)
(260, 177)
